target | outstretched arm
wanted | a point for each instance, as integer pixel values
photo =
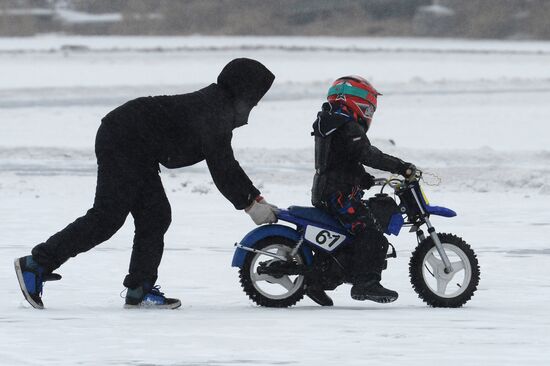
(358, 146)
(228, 176)
(373, 157)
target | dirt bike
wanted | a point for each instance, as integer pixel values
(277, 262)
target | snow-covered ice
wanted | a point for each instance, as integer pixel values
(474, 113)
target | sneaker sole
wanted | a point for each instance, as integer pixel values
(21, 281)
(378, 299)
(143, 306)
(320, 302)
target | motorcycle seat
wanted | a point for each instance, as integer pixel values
(315, 215)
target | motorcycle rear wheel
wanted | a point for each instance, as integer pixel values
(270, 291)
(428, 277)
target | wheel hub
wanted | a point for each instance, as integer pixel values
(443, 277)
(276, 279)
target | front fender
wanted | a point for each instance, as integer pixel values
(265, 231)
(440, 211)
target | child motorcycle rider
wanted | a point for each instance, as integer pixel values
(175, 131)
(341, 151)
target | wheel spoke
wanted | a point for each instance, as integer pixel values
(457, 266)
(442, 285)
(282, 253)
(262, 277)
(434, 262)
(285, 282)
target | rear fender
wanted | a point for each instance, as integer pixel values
(266, 231)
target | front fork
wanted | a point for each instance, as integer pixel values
(433, 235)
(438, 245)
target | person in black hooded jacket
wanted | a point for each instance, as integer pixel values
(175, 131)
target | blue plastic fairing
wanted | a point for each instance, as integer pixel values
(440, 211)
(395, 224)
(265, 231)
(314, 215)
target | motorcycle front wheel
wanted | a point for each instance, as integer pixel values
(272, 291)
(429, 279)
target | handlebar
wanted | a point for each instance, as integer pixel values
(380, 181)
(396, 182)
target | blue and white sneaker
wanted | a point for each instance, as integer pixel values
(153, 299)
(31, 279)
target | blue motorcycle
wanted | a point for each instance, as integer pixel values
(277, 262)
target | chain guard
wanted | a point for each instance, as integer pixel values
(278, 269)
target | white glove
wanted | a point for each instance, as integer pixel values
(262, 213)
(262, 200)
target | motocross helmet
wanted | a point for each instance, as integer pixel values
(357, 94)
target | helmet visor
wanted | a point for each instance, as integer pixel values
(367, 109)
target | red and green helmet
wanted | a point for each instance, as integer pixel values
(357, 94)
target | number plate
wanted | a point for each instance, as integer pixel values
(326, 239)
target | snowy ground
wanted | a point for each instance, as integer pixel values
(473, 113)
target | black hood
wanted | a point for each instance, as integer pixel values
(247, 81)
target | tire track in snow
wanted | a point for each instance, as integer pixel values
(112, 96)
(480, 170)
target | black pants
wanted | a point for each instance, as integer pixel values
(127, 182)
(370, 246)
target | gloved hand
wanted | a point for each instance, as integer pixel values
(261, 212)
(408, 170)
(262, 200)
(367, 181)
